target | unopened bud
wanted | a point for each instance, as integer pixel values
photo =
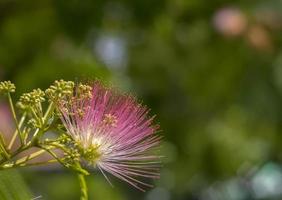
(7, 86)
(59, 90)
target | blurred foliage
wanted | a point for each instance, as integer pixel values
(12, 186)
(65, 186)
(210, 70)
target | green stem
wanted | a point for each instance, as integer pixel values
(22, 161)
(17, 152)
(30, 157)
(45, 119)
(76, 168)
(4, 151)
(49, 111)
(17, 131)
(48, 149)
(38, 119)
(83, 186)
(14, 115)
(17, 165)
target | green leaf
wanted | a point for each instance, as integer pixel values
(12, 186)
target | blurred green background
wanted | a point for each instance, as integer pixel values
(210, 70)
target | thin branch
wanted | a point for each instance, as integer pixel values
(30, 157)
(17, 131)
(14, 115)
(14, 165)
(4, 151)
(45, 119)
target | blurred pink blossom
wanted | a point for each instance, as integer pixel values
(230, 21)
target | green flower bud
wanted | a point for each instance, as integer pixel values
(84, 91)
(31, 99)
(7, 86)
(59, 90)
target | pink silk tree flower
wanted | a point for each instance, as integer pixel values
(114, 133)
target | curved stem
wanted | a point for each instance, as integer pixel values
(83, 187)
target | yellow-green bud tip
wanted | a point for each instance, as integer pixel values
(7, 86)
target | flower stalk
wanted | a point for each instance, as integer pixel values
(40, 131)
(82, 184)
(11, 104)
(17, 131)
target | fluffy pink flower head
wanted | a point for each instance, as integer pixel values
(115, 134)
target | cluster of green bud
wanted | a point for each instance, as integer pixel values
(7, 86)
(90, 154)
(84, 91)
(30, 99)
(59, 90)
(34, 123)
(77, 151)
(80, 112)
(65, 139)
(72, 156)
